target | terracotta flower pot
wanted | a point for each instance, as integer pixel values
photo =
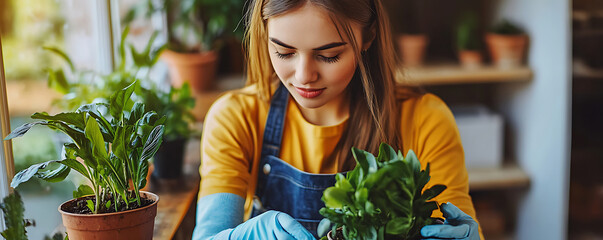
(136, 224)
(470, 59)
(412, 48)
(198, 69)
(506, 51)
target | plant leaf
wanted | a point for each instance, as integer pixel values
(386, 153)
(61, 54)
(21, 130)
(433, 192)
(152, 143)
(77, 166)
(398, 225)
(119, 100)
(83, 190)
(93, 134)
(70, 118)
(56, 175)
(336, 198)
(26, 174)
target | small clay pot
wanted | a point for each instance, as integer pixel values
(412, 49)
(198, 69)
(135, 224)
(470, 59)
(507, 51)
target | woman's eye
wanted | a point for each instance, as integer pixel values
(329, 59)
(283, 56)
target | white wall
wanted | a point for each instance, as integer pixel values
(539, 116)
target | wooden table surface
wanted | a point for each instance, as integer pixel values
(176, 195)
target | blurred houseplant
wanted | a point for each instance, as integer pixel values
(382, 198)
(196, 30)
(412, 41)
(112, 151)
(507, 44)
(15, 224)
(468, 41)
(85, 87)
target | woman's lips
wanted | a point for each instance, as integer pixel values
(309, 92)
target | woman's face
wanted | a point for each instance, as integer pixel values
(310, 57)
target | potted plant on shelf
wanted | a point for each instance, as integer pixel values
(381, 198)
(412, 41)
(196, 29)
(507, 44)
(112, 151)
(176, 104)
(467, 41)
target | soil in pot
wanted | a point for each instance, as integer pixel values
(80, 205)
(338, 235)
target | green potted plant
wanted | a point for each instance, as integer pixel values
(196, 29)
(176, 104)
(381, 198)
(467, 41)
(112, 151)
(15, 224)
(507, 44)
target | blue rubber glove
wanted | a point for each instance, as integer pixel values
(266, 226)
(217, 212)
(458, 225)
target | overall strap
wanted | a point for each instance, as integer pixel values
(273, 131)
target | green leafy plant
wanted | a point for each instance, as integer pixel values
(382, 198)
(195, 25)
(114, 149)
(12, 207)
(505, 27)
(85, 87)
(467, 32)
(13, 210)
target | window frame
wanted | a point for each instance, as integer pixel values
(7, 169)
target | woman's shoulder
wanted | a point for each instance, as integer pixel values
(426, 107)
(238, 102)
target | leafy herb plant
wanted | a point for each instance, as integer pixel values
(382, 198)
(113, 150)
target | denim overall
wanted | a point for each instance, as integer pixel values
(280, 186)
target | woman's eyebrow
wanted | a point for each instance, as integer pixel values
(324, 47)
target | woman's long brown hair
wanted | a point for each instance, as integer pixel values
(374, 117)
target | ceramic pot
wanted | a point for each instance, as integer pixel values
(507, 51)
(470, 59)
(198, 69)
(135, 224)
(412, 48)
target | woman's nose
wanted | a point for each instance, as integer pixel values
(305, 71)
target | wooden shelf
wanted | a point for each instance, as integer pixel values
(443, 74)
(509, 176)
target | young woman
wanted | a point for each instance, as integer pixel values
(321, 80)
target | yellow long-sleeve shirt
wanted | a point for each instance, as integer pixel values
(233, 132)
